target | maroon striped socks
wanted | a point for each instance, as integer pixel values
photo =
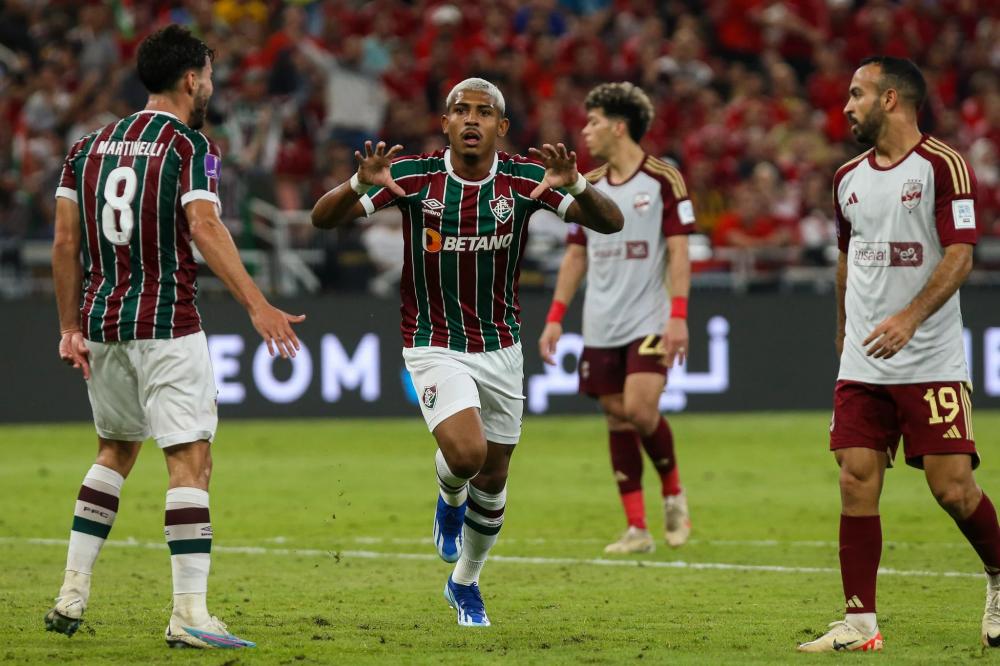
(454, 489)
(93, 516)
(483, 520)
(188, 529)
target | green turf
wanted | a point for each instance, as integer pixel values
(318, 495)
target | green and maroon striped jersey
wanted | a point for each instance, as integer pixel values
(131, 180)
(463, 244)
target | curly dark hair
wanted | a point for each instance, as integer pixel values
(167, 54)
(626, 101)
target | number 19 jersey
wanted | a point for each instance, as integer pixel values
(894, 224)
(131, 180)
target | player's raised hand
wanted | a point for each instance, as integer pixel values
(275, 326)
(560, 167)
(73, 351)
(373, 166)
(547, 343)
(890, 336)
(674, 342)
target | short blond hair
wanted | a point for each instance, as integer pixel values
(481, 85)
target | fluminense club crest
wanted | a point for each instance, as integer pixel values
(429, 396)
(912, 191)
(502, 207)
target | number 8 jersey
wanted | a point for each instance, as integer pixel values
(131, 180)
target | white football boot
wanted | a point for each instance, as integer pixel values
(634, 540)
(842, 637)
(66, 616)
(212, 634)
(991, 616)
(676, 519)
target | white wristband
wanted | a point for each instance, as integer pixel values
(577, 188)
(358, 186)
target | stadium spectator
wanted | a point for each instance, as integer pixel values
(748, 224)
(734, 82)
(355, 98)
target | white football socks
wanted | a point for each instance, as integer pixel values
(483, 520)
(454, 489)
(863, 622)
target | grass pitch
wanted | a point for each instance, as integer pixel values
(322, 551)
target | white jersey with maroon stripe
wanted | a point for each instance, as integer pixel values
(893, 224)
(626, 294)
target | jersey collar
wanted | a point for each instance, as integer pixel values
(451, 170)
(875, 165)
(162, 113)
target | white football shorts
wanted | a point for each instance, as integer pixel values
(164, 389)
(448, 381)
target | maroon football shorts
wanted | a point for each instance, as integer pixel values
(932, 418)
(603, 369)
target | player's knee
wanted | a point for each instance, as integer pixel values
(491, 482)
(616, 422)
(465, 462)
(205, 469)
(856, 485)
(119, 456)
(642, 417)
(955, 498)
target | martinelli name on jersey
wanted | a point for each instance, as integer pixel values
(463, 245)
(131, 180)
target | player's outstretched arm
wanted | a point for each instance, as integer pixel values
(343, 203)
(571, 272)
(67, 275)
(894, 332)
(592, 208)
(216, 245)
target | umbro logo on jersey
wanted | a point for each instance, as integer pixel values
(853, 199)
(912, 191)
(433, 207)
(502, 207)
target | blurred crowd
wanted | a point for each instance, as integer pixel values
(748, 95)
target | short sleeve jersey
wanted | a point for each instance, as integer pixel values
(626, 294)
(130, 180)
(463, 245)
(893, 224)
